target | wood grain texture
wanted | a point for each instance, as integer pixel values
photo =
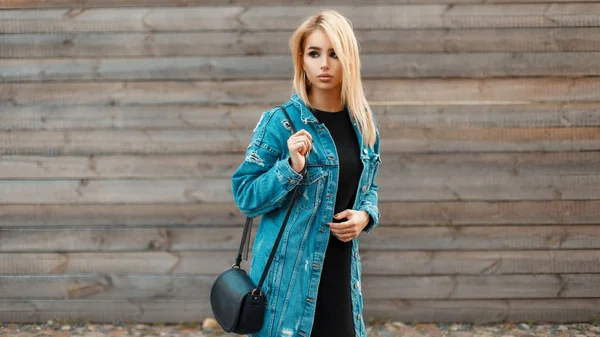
(227, 238)
(394, 141)
(272, 92)
(176, 311)
(105, 45)
(412, 166)
(510, 213)
(11, 4)
(220, 68)
(216, 190)
(484, 311)
(405, 263)
(493, 213)
(143, 287)
(276, 18)
(121, 215)
(202, 117)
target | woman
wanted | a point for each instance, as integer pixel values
(313, 285)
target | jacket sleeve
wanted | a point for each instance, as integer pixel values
(370, 200)
(265, 177)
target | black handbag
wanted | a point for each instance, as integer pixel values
(237, 304)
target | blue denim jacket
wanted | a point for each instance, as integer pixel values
(262, 186)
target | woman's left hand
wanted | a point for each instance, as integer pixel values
(350, 229)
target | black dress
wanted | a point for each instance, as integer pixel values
(333, 315)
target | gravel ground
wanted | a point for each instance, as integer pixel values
(382, 329)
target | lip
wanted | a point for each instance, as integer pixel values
(325, 76)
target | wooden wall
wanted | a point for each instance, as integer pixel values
(122, 121)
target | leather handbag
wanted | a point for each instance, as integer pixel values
(237, 303)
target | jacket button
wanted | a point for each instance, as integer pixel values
(293, 181)
(322, 230)
(365, 150)
(364, 188)
(356, 285)
(329, 195)
(358, 316)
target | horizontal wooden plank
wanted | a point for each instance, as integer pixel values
(489, 140)
(417, 166)
(271, 92)
(216, 190)
(475, 213)
(406, 263)
(121, 215)
(177, 311)
(480, 287)
(96, 45)
(506, 213)
(12, 4)
(219, 68)
(396, 141)
(143, 287)
(129, 191)
(480, 263)
(191, 116)
(227, 238)
(117, 167)
(484, 311)
(282, 18)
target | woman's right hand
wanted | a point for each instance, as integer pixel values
(299, 144)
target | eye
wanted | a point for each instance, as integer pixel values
(334, 55)
(313, 54)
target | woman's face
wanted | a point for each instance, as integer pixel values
(321, 64)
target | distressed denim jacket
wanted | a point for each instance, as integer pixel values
(261, 186)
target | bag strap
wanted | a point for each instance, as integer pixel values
(248, 225)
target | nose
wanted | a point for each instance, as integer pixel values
(325, 63)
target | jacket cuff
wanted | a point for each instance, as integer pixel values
(286, 174)
(373, 214)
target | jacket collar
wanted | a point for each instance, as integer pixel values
(305, 114)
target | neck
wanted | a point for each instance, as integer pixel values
(329, 101)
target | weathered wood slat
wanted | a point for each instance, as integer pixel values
(490, 213)
(227, 238)
(282, 18)
(272, 92)
(396, 140)
(407, 263)
(218, 68)
(124, 215)
(129, 191)
(412, 166)
(176, 311)
(507, 213)
(489, 140)
(480, 263)
(190, 116)
(484, 311)
(215, 190)
(253, 43)
(12, 4)
(142, 287)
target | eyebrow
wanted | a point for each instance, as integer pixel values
(317, 48)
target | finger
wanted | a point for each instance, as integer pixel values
(343, 214)
(305, 133)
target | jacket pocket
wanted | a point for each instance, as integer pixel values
(311, 187)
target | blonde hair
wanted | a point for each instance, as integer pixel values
(339, 31)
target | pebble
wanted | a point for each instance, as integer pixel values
(523, 326)
(562, 328)
(210, 323)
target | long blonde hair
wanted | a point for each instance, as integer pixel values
(339, 31)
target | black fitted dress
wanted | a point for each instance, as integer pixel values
(333, 315)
